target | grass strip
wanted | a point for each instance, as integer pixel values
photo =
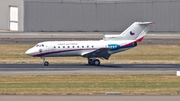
(90, 84)
(15, 53)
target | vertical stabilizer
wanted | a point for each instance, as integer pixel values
(136, 31)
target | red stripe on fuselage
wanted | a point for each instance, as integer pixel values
(138, 40)
(47, 53)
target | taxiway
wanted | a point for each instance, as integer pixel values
(83, 69)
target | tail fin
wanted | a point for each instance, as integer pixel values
(134, 32)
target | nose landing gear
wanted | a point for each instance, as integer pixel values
(46, 63)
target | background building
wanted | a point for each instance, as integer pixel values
(88, 15)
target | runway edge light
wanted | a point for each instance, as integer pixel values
(178, 73)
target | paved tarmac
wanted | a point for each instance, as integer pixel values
(36, 37)
(87, 98)
(83, 69)
(163, 35)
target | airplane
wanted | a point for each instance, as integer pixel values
(92, 50)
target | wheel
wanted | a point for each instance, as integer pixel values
(96, 62)
(90, 62)
(46, 63)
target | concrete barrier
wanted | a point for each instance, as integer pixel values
(113, 93)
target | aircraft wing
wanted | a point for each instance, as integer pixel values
(100, 53)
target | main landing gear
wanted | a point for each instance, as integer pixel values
(45, 62)
(95, 62)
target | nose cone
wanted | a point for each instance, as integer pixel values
(29, 52)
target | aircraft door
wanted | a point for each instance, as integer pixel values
(50, 48)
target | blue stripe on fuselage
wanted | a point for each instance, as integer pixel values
(113, 46)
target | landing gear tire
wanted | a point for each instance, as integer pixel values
(46, 63)
(90, 62)
(96, 62)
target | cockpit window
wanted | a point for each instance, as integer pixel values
(41, 45)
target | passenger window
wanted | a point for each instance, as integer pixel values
(58, 46)
(42, 45)
(92, 46)
(68, 46)
(82, 46)
(54, 46)
(87, 46)
(77, 46)
(73, 46)
(63, 46)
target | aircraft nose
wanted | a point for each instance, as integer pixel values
(29, 52)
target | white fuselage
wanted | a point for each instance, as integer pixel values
(77, 48)
(92, 49)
